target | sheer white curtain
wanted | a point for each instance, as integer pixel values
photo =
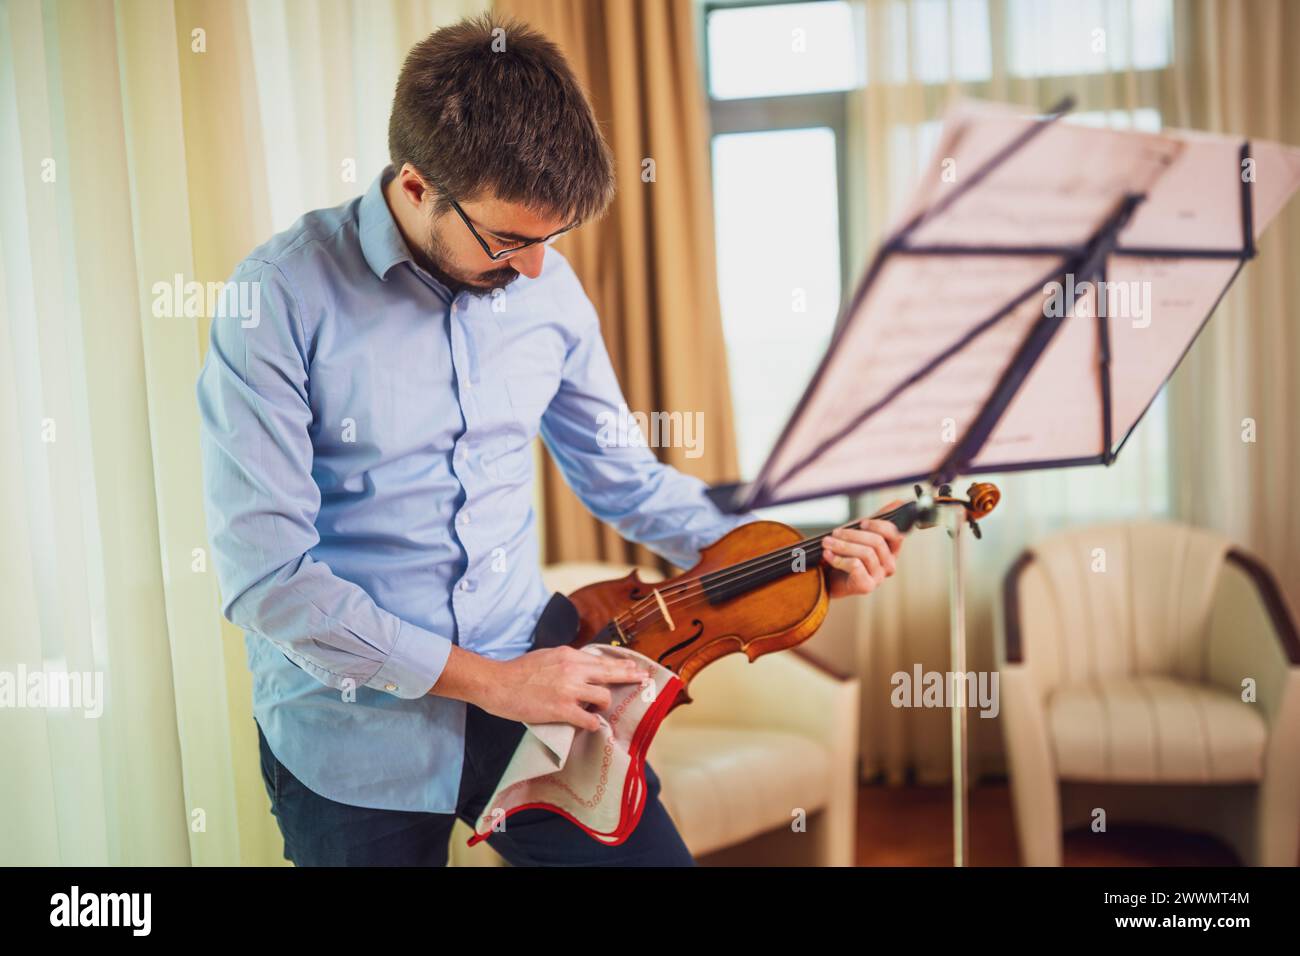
(1140, 63)
(141, 141)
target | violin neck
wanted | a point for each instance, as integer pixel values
(903, 517)
(743, 577)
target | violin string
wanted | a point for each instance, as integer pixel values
(749, 568)
(760, 562)
(681, 598)
(696, 587)
(739, 573)
(638, 626)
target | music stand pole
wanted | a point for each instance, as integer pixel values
(957, 638)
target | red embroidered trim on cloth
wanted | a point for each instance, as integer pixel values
(634, 788)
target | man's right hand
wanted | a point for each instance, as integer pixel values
(552, 685)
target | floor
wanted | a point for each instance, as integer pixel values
(912, 826)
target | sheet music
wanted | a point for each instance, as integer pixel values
(1197, 201)
(1183, 291)
(1056, 189)
(882, 410)
(944, 300)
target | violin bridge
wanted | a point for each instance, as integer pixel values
(621, 640)
(663, 609)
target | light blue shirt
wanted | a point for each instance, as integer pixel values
(368, 471)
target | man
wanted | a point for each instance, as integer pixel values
(368, 470)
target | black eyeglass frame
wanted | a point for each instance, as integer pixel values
(504, 253)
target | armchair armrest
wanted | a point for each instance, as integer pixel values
(792, 692)
(789, 690)
(1025, 687)
(1252, 633)
(1027, 626)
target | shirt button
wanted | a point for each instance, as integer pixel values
(390, 687)
(464, 517)
(465, 584)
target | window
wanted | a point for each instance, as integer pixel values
(1088, 36)
(780, 294)
(776, 78)
(781, 50)
(932, 52)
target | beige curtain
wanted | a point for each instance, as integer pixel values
(648, 265)
(1242, 76)
(1233, 70)
(140, 141)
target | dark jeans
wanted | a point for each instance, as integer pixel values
(321, 832)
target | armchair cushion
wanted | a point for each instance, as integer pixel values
(1155, 729)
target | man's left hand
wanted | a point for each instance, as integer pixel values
(862, 556)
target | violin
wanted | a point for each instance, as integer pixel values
(758, 589)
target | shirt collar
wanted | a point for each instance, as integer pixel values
(381, 242)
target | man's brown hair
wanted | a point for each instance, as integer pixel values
(491, 106)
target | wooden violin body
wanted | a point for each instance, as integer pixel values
(707, 618)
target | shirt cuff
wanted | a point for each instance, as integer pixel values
(414, 664)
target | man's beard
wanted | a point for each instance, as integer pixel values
(435, 252)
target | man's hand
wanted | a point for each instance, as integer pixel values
(863, 556)
(552, 685)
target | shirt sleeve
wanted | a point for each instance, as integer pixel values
(261, 504)
(604, 457)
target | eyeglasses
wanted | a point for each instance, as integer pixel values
(506, 252)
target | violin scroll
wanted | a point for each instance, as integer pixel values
(983, 498)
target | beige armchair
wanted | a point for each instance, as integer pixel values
(760, 743)
(1126, 653)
